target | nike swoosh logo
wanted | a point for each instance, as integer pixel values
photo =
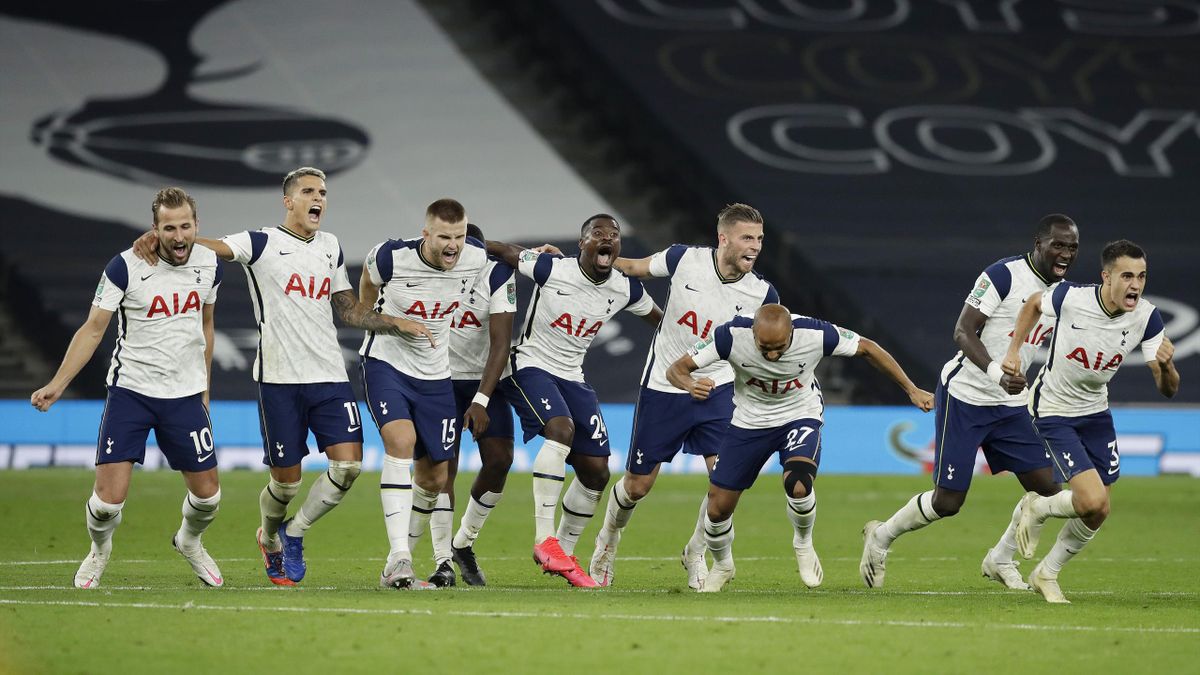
(550, 506)
(353, 429)
(286, 252)
(1077, 327)
(447, 448)
(389, 515)
(561, 293)
(201, 459)
(574, 534)
(147, 276)
(412, 285)
(747, 365)
(689, 287)
(1112, 471)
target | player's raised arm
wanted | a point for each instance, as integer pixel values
(1166, 377)
(1026, 319)
(79, 352)
(634, 267)
(966, 335)
(145, 247)
(883, 361)
(509, 253)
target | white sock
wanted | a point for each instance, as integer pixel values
(696, 543)
(914, 515)
(324, 495)
(197, 515)
(474, 517)
(549, 472)
(617, 513)
(1071, 540)
(396, 493)
(803, 513)
(440, 522)
(718, 537)
(102, 520)
(1054, 506)
(272, 508)
(578, 507)
(423, 503)
(1006, 548)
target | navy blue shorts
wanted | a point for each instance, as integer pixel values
(181, 426)
(428, 404)
(744, 452)
(1077, 444)
(500, 419)
(664, 422)
(1005, 433)
(538, 396)
(286, 412)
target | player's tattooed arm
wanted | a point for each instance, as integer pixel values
(633, 267)
(966, 336)
(1166, 377)
(1026, 318)
(885, 363)
(359, 315)
(79, 352)
(680, 375)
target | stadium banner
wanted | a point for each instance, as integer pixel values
(856, 439)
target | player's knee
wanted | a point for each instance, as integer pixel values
(284, 492)
(560, 430)
(948, 502)
(595, 477)
(637, 488)
(798, 479)
(343, 473)
(1093, 506)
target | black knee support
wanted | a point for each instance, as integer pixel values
(799, 472)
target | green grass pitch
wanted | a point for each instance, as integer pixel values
(1135, 593)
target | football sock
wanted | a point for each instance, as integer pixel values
(719, 539)
(914, 515)
(102, 520)
(396, 493)
(1056, 506)
(578, 507)
(1071, 540)
(272, 507)
(198, 513)
(440, 522)
(696, 543)
(803, 513)
(474, 517)
(1006, 548)
(617, 513)
(326, 493)
(423, 503)
(549, 472)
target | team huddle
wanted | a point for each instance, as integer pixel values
(730, 376)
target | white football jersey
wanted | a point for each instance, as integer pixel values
(769, 394)
(291, 281)
(567, 311)
(999, 293)
(1087, 348)
(412, 288)
(160, 322)
(494, 291)
(698, 301)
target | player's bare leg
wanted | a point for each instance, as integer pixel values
(200, 506)
(998, 564)
(798, 478)
(103, 515)
(1086, 506)
(718, 537)
(497, 457)
(396, 494)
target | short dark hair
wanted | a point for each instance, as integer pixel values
(446, 210)
(1121, 248)
(474, 231)
(1047, 223)
(599, 216)
(172, 198)
(290, 179)
(738, 213)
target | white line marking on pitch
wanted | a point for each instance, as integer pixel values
(147, 561)
(610, 617)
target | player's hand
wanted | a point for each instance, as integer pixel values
(922, 399)
(1166, 351)
(547, 248)
(146, 248)
(476, 419)
(412, 329)
(45, 397)
(1013, 384)
(1011, 365)
(701, 388)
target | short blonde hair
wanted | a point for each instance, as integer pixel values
(738, 213)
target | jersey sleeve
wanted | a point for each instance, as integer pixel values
(1052, 298)
(991, 288)
(379, 270)
(247, 247)
(536, 266)
(218, 274)
(341, 279)
(772, 296)
(663, 263)
(503, 284)
(708, 351)
(1153, 336)
(113, 282)
(840, 341)
(640, 302)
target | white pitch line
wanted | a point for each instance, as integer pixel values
(671, 618)
(147, 561)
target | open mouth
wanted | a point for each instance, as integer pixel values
(314, 213)
(749, 259)
(1060, 268)
(449, 257)
(1131, 299)
(179, 251)
(604, 256)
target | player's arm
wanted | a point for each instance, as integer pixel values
(966, 336)
(679, 374)
(357, 314)
(509, 253)
(1166, 377)
(79, 352)
(210, 336)
(500, 329)
(634, 267)
(654, 316)
(1026, 318)
(881, 360)
(146, 247)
